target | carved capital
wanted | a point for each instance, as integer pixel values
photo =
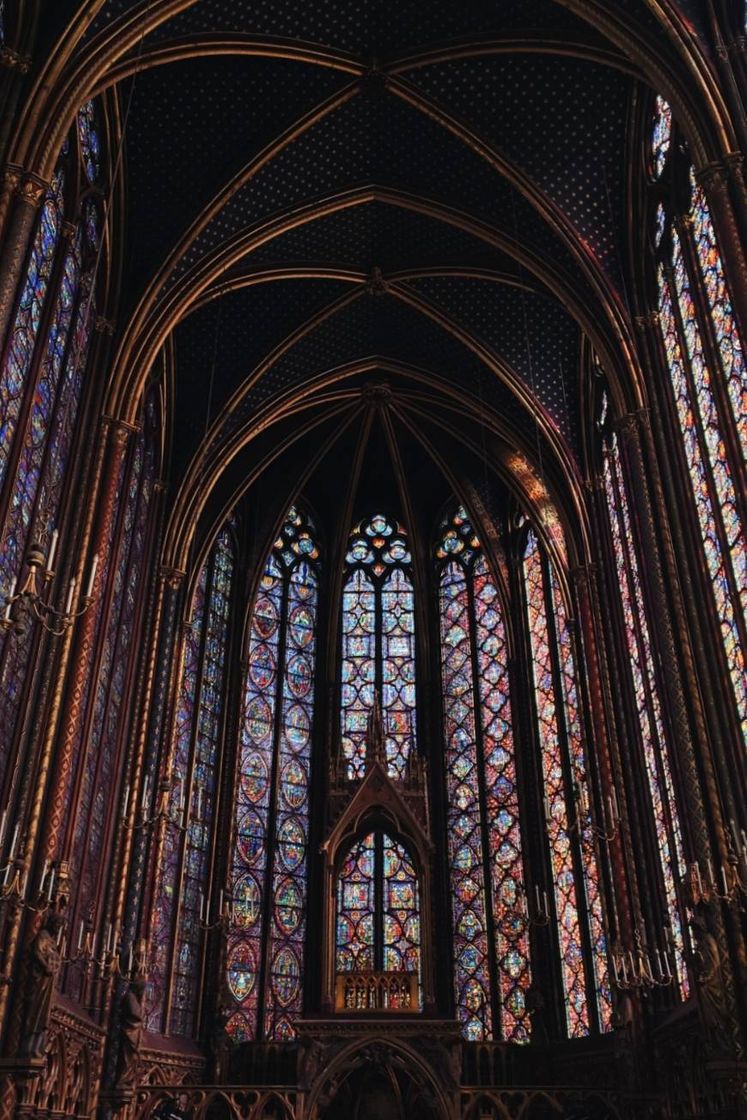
(646, 322)
(13, 60)
(104, 326)
(31, 190)
(119, 430)
(631, 424)
(713, 177)
(172, 577)
(12, 176)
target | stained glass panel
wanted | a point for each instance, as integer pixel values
(472, 975)
(653, 738)
(556, 811)
(356, 907)
(721, 309)
(662, 135)
(266, 939)
(710, 475)
(209, 713)
(484, 832)
(23, 333)
(89, 141)
(378, 643)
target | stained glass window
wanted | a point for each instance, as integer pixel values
(185, 858)
(378, 909)
(266, 940)
(41, 383)
(491, 939)
(653, 738)
(708, 378)
(106, 721)
(566, 799)
(378, 643)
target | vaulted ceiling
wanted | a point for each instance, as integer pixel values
(325, 195)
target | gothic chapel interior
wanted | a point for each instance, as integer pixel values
(373, 559)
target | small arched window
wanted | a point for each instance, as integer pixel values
(491, 937)
(377, 924)
(378, 643)
(269, 865)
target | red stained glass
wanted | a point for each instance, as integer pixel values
(378, 643)
(269, 876)
(653, 739)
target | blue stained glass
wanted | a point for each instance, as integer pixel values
(275, 739)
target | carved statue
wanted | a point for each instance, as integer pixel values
(44, 961)
(709, 978)
(130, 1032)
(536, 1009)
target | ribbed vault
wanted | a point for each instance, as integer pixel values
(324, 197)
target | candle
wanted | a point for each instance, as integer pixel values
(545, 905)
(80, 935)
(200, 792)
(180, 799)
(52, 551)
(220, 903)
(92, 575)
(537, 897)
(711, 880)
(146, 793)
(70, 594)
(126, 801)
(129, 959)
(11, 854)
(614, 804)
(50, 885)
(615, 972)
(724, 880)
(3, 825)
(202, 907)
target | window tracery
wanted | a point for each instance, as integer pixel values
(177, 936)
(41, 386)
(491, 940)
(268, 872)
(708, 379)
(654, 740)
(566, 800)
(378, 643)
(378, 908)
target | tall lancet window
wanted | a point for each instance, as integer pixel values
(491, 940)
(378, 643)
(576, 904)
(654, 744)
(42, 377)
(708, 376)
(177, 941)
(269, 866)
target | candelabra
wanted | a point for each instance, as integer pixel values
(163, 808)
(109, 960)
(226, 913)
(637, 968)
(704, 886)
(33, 602)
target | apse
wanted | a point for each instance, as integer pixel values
(372, 559)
